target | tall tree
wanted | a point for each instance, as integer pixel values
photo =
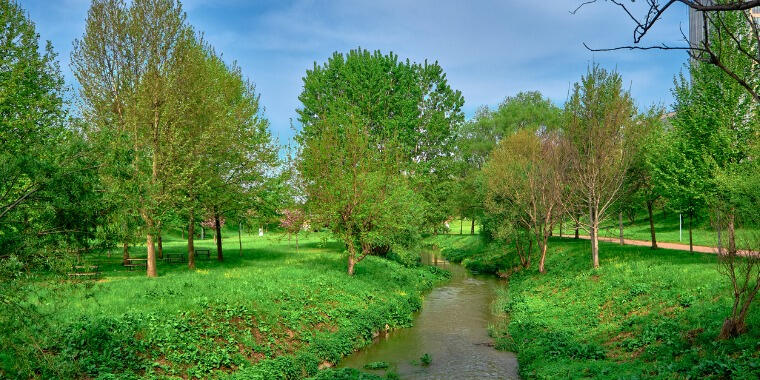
(409, 103)
(124, 64)
(601, 134)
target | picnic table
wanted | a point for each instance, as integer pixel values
(86, 271)
(174, 257)
(134, 263)
(206, 252)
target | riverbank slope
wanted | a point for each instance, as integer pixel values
(644, 313)
(274, 312)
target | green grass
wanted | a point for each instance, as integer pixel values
(644, 313)
(665, 225)
(272, 313)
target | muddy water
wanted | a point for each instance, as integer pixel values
(452, 328)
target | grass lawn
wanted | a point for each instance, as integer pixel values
(272, 313)
(644, 313)
(665, 225)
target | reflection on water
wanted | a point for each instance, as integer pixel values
(451, 327)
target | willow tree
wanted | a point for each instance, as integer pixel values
(601, 135)
(124, 62)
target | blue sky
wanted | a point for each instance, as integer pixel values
(489, 49)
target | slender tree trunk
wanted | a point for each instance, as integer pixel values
(560, 227)
(218, 226)
(472, 227)
(620, 223)
(664, 212)
(577, 226)
(691, 239)
(240, 240)
(191, 241)
(651, 224)
(731, 233)
(182, 230)
(203, 233)
(125, 252)
(594, 230)
(461, 225)
(160, 245)
(542, 260)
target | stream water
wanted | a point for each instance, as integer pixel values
(452, 328)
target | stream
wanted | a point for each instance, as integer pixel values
(451, 327)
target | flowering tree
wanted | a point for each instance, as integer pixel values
(292, 220)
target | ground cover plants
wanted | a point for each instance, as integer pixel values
(272, 313)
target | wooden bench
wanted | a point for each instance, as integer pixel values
(174, 257)
(86, 271)
(134, 263)
(206, 252)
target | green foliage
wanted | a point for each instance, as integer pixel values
(425, 359)
(400, 104)
(273, 314)
(643, 313)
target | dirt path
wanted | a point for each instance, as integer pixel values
(647, 243)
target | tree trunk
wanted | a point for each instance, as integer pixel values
(125, 251)
(160, 245)
(731, 233)
(577, 226)
(472, 227)
(651, 224)
(560, 228)
(461, 225)
(620, 223)
(240, 240)
(664, 212)
(203, 233)
(218, 226)
(541, 261)
(151, 267)
(182, 231)
(190, 241)
(351, 264)
(691, 239)
(594, 230)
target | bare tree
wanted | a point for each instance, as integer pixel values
(742, 269)
(713, 47)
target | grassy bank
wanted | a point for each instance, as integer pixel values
(271, 313)
(642, 314)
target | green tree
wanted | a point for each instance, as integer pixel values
(602, 137)
(124, 64)
(525, 181)
(355, 189)
(409, 104)
(477, 138)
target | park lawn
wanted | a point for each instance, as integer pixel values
(665, 225)
(273, 313)
(643, 313)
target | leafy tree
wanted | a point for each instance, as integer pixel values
(49, 200)
(601, 136)
(477, 138)
(408, 104)
(124, 64)
(525, 181)
(355, 189)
